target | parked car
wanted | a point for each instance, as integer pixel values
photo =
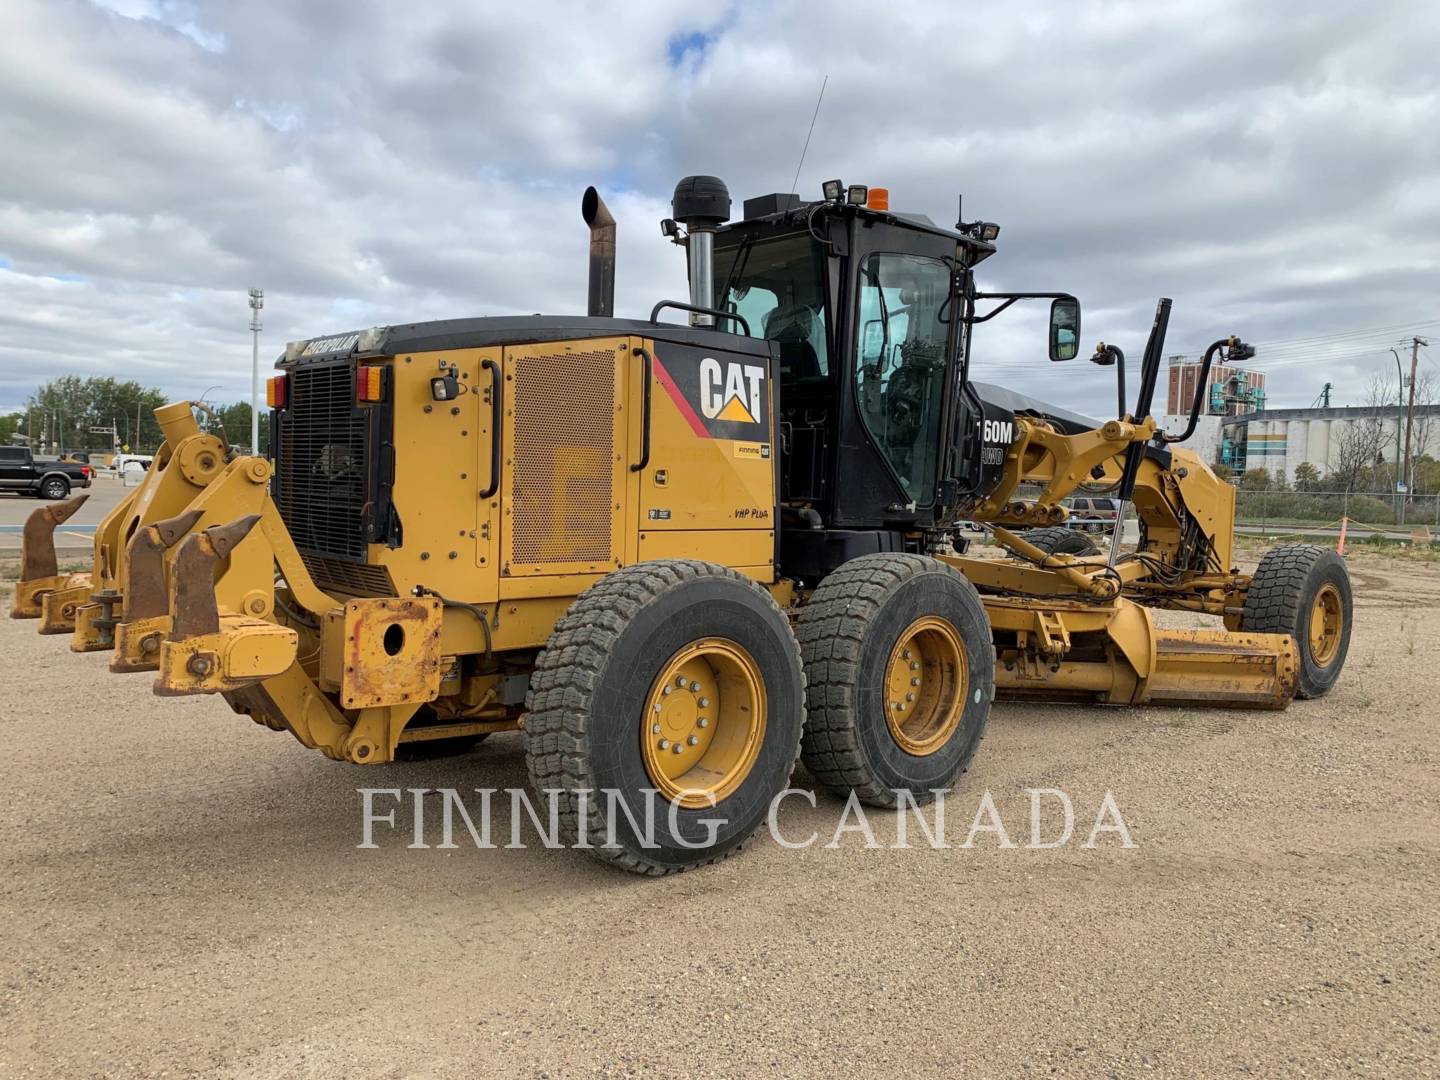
(1093, 513)
(124, 463)
(44, 478)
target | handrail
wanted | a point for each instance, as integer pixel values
(732, 316)
(644, 461)
(497, 412)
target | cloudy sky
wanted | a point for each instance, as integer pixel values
(1272, 167)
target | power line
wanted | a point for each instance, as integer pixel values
(1296, 343)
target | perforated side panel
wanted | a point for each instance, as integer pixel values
(563, 494)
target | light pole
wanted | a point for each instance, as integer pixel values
(257, 301)
(1400, 400)
(201, 400)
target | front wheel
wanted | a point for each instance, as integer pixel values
(54, 489)
(901, 672)
(665, 713)
(1304, 591)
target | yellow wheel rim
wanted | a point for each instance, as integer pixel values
(926, 680)
(1327, 619)
(704, 722)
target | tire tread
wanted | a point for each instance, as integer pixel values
(831, 631)
(562, 683)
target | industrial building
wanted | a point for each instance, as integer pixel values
(1231, 390)
(1236, 430)
(1278, 440)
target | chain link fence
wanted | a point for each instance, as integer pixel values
(1380, 510)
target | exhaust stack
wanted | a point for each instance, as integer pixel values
(702, 205)
(602, 254)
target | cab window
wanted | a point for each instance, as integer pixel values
(777, 285)
(900, 363)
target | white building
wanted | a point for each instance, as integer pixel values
(1279, 440)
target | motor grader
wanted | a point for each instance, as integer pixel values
(679, 555)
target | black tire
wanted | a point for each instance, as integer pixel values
(433, 749)
(588, 697)
(1282, 600)
(848, 633)
(1061, 541)
(54, 488)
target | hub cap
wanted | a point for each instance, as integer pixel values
(1327, 616)
(926, 680)
(704, 722)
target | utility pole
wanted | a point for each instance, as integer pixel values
(257, 301)
(1415, 343)
(1399, 404)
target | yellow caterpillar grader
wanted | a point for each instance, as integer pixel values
(679, 555)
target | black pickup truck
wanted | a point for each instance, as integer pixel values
(24, 474)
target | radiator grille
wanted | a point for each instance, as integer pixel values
(564, 425)
(350, 578)
(321, 464)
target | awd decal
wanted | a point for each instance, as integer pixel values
(720, 397)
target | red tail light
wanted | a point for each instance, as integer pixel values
(369, 383)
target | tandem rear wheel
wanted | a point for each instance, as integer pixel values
(900, 668)
(665, 712)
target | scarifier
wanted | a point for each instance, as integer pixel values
(678, 555)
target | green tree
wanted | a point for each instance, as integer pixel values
(11, 426)
(1307, 477)
(65, 409)
(1255, 480)
(235, 420)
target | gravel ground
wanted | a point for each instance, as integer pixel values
(184, 895)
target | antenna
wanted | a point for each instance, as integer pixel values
(794, 184)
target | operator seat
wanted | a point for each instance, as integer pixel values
(793, 327)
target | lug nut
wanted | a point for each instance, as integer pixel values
(914, 666)
(704, 703)
(693, 740)
(655, 729)
(906, 654)
(666, 691)
(914, 682)
(909, 697)
(695, 686)
(677, 748)
(899, 706)
(657, 706)
(704, 721)
(680, 681)
(664, 744)
(895, 705)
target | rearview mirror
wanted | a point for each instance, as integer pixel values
(1064, 328)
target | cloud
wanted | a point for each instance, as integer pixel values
(1272, 168)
